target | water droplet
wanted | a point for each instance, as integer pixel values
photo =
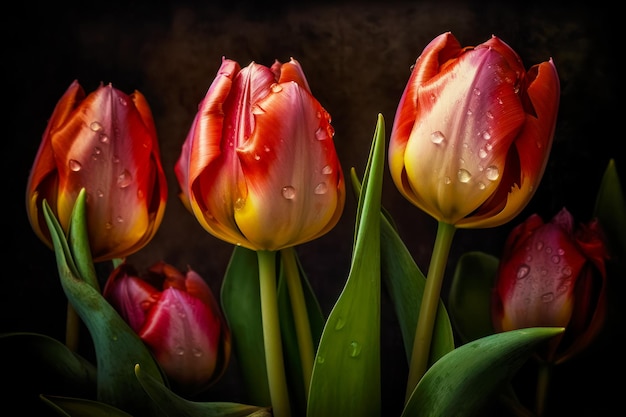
(321, 188)
(486, 135)
(95, 126)
(340, 323)
(355, 349)
(179, 350)
(321, 134)
(119, 219)
(469, 112)
(481, 186)
(75, 165)
(489, 114)
(97, 150)
(240, 203)
(464, 175)
(256, 109)
(482, 153)
(99, 193)
(522, 271)
(556, 259)
(539, 245)
(257, 156)
(124, 179)
(197, 352)
(103, 138)
(476, 92)
(327, 170)
(567, 271)
(108, 225)
(447, 180)
(437, 137)
(276, 88)
(288, 192)
(547, 297)
(266, 148)
(320, 359)
(492, 173)
(140, 194)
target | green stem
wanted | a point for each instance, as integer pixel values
(300, 315)
(271, 335)
(543, 381)
(428, 308)
(72, 327)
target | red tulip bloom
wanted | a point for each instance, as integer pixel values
(473, 131)
(259, 167)
(177, 316)
(104, 142)
(553, 274)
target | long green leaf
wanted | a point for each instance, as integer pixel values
(462, 382)
(346, 373)
(241, 302)
(469, 300)
(610, 209)
(80, 407)
(118, 348)
(175, 406)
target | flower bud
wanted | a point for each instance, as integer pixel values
(553, 274)
(178, 318)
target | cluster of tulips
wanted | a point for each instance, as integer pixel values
(469, 145)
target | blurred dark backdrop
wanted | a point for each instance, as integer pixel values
(357, 57)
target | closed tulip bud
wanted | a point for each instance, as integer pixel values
(473, 131)
(106, 143)
(259, 167)
(553, 274)
(178, 318)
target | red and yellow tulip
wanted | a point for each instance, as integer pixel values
(553, 274)
(104, 142)
(259, 167)
(473, 131)
(178, 318)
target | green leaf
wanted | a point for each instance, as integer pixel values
(176, 406)
(610, 209)
(79, 242)
(79, 407)
(346, 373)
(405, 284)
(291, 352)
(462, 382)
(469, 300)
(33, 363)
(241, 303)
(118, 348)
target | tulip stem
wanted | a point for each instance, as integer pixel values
(300, 314)
(72, 327)
(543, 381)
(271, 335)
(429, 305)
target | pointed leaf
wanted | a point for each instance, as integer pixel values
(462, 382)
(610, 209)
(346, 373)
(241, 302)
(79, 407)
(469, 300)
(117, 347)
(79, 242)
(176, 406)
(291, 350)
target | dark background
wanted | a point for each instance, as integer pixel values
(356, 56)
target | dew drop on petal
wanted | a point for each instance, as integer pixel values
(482, 153)
(124, 179)
(321, 134)
(179, 350)
(99, 193)
(75, 165)
(522, 271)
(492, 172)
(437, 137)
(327, 170)
(197, 352)
(321, 188)
(547, 297)
(288, 192)
(340, 323)
(95, 126)
(276, 88)
(486, 135)
(464, 175)
(240, 203)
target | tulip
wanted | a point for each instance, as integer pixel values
(178, 318)
(258, 167)
(106, 143)
(473, 131)
(553, 274)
